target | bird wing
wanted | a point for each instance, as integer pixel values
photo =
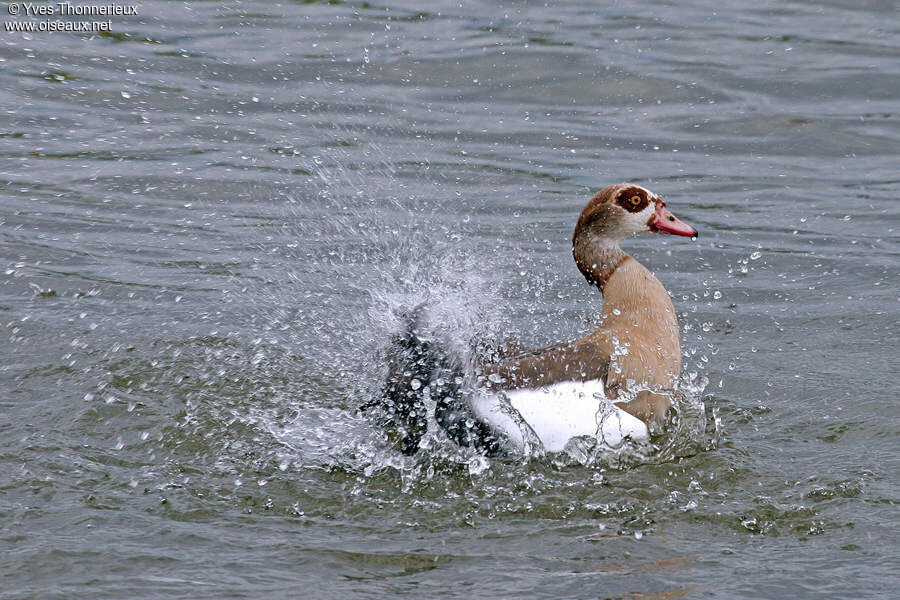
(580, 360)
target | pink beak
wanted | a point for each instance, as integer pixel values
(664, 221)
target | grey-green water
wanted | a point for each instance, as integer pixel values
(208, 215)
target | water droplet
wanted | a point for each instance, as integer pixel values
(415, 384)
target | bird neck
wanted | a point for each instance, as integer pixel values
(598, 259)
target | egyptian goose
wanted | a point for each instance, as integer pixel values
(611, 384)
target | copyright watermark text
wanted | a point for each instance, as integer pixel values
(63, 9)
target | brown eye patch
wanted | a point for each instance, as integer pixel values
(632, 199)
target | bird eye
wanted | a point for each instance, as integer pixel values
(635, 200)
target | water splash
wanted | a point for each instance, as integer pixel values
(330, 285)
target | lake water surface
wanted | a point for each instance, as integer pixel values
(210, 216)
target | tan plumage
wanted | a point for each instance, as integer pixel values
(636, 345)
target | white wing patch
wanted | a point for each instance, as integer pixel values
(559, 412)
